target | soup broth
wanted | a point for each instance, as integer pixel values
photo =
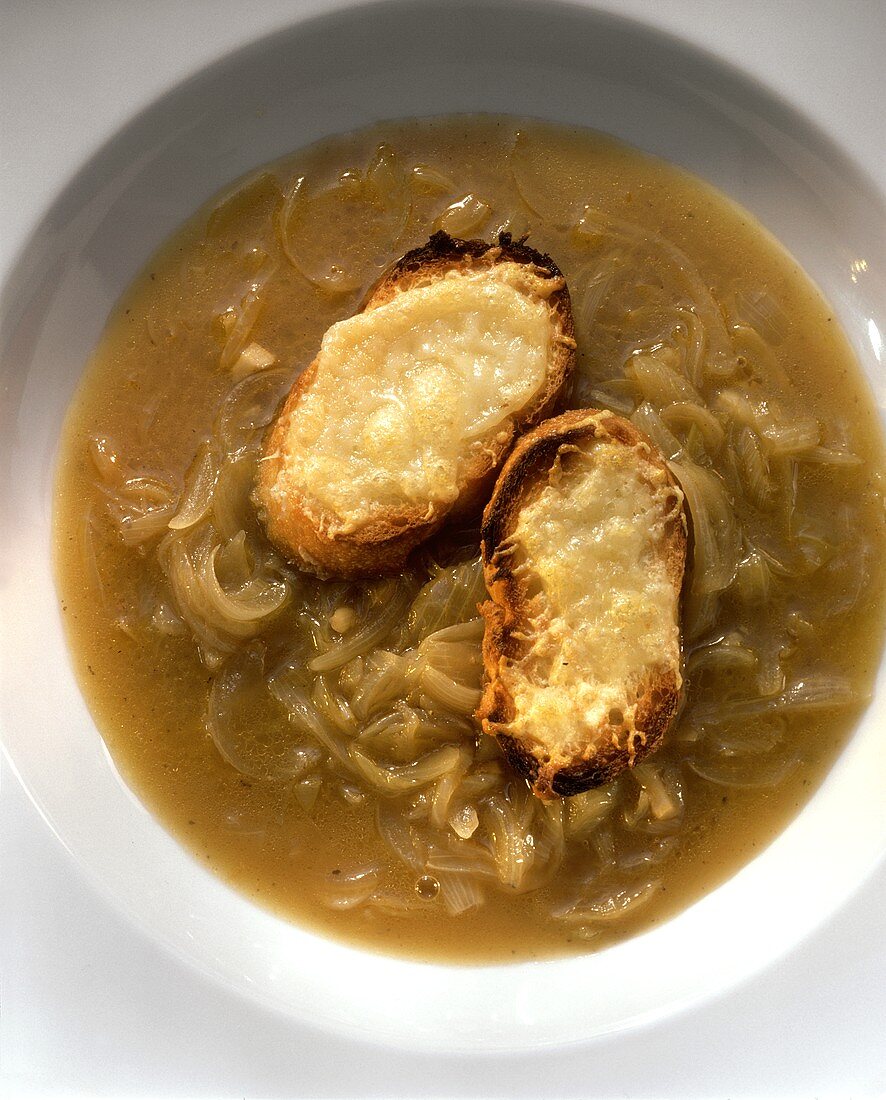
(313, 742)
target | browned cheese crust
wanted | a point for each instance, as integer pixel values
(383, 543)
(506, 616)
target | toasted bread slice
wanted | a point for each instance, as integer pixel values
(584, 549)
(411, 405)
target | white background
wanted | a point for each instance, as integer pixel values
(90, 1006)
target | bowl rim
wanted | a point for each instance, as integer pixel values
(95, 165)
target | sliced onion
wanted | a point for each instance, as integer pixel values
(250, 406)
(813, 693)
(246, 314)
(386, 676)
(685, 414)
(724, 653)
(404, 841)
(748, 737)
(286, 689)
(595, 227)
(256, 749)
(830, 456)
(789, 438)
(459, 893)
(445, 788)
(251, 359)
(232, 509)
(464, 217)
(106, 460)
(464, 821)
(396, 780)
(138, 524)
(449, 598)
(607, 905)
(615, 394)
(762, 311)
(431, 180)
(655, 381)
(650, 423)
(512, 853)
(542, 179)
(255, 600)
(753, 468)
(586, 811)
(716, 535)
(394, 599)
(333, 707)
(315, 227)
(200, 482)
(342, 890)
(307, 791)
(663, 790)
(447, 693)
(731, 771)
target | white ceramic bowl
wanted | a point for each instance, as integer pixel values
(327, 75)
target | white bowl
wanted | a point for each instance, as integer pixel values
(322, 76)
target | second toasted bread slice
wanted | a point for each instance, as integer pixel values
(584, 549)
(411, 405)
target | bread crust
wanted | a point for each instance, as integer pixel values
(602, 757)
(382, 544)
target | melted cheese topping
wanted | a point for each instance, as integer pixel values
(407, 392)
(608, 612)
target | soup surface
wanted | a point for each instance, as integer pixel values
(313, 741)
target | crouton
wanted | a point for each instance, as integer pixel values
(584, 550)
(410, 407)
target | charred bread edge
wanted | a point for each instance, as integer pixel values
(527, 466)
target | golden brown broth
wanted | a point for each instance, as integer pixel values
(155, 384)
